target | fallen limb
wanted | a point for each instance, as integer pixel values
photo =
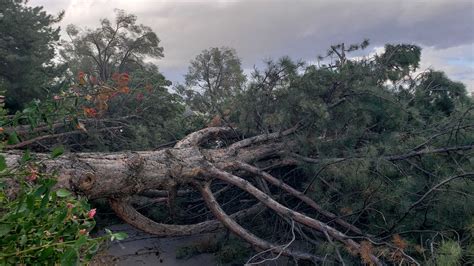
(118, 176)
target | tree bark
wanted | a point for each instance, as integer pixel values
(118, 176)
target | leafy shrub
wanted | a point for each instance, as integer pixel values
(41, 225)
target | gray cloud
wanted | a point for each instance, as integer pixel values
(301, 29)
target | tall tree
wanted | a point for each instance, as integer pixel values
(27, 48)
(214, 77)
(119, 46)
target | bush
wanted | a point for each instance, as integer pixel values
(41, 225)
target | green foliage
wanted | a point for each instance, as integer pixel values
(214, 77)
(436, 93)
(268, 104)
(155, 114)
(356, 113)
(27, 48)
(399, 60)
(449, 254)
(41, 225)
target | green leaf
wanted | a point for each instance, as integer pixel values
(62, 193)
(69, 257)
(3, 163)
(60, 218)
(44, 200)
(40, 191)
(4, 229)
(93, 248)
(45, 254)
(13, 138)
(28, 110)
(30, 202)
(23, 240)
(80, 242)
(120, 235)
(57, 151)
(26, 156)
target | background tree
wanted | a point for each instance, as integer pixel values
(120, 46)
(27, 48)
(214, 78)
(149, 113)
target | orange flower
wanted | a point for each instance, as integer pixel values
(90, 112)
(124, 77)
(81, 78)
(125, 90)
(123, 80)
(1, 130)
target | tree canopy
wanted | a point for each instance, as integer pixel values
(27, 49)
(214, 78)
(119, 46)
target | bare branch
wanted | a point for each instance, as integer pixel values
(300, 195)
(241, 232)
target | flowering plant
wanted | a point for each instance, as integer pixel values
(41, 224)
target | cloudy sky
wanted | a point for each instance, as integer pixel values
(300, 29)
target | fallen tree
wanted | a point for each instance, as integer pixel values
(378, 172)
(119, 176)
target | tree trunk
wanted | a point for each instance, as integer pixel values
(118, 176)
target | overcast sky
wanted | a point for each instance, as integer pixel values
(300, 29)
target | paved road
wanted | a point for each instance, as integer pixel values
(144, 249)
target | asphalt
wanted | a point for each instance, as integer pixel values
(144, 249)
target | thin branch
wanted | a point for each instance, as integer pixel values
(283, 247)
(243, 233)
(300, 195)
(51, 136)
(287, 212)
